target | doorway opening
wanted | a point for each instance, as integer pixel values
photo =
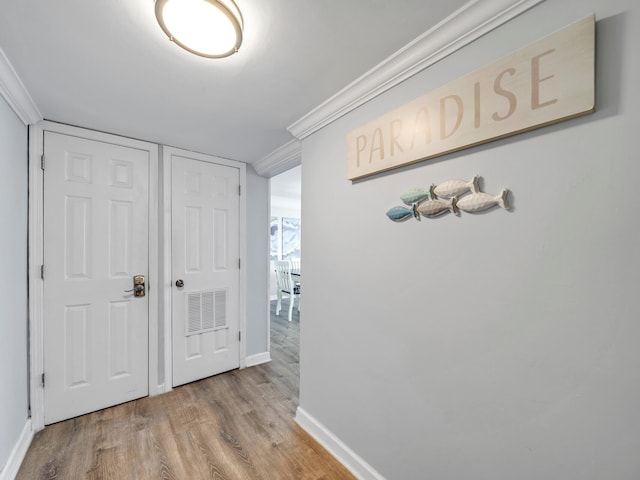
(285, 238)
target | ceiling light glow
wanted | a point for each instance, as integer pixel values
(209, 28)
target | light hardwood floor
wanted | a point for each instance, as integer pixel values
(234, 426)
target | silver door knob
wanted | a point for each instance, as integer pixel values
(179, 283)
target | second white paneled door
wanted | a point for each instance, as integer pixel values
(205, 253)
(96, 238)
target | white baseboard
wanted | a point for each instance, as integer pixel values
(14, 461)
(336, 447)
(257, 359)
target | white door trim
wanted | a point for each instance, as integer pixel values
(36, 244)
(167, 279)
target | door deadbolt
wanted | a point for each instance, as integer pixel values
(138, 286)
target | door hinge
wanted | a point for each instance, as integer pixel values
(42, 162)
(240, 190)
(42, 272)
(239, 263)
(239, 336)
(42, 380)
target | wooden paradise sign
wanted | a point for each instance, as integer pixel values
(546, 82)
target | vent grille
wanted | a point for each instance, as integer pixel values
(221, 309)
(194, 314)
(206, 311)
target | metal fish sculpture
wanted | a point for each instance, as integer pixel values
(398, 214)
(415, 195)
(476, 202)
(435, 208)
(454, 188)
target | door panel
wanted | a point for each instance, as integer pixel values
(95, 240)
(205, 254)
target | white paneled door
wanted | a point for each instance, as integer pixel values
(205, 268)
(96, 207)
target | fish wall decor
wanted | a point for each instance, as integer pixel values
(454, 188)
(415, 195)
(449, 196)
(435, 208)
(477, 202)
(398, 214)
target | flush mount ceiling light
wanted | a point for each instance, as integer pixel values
(209, 28)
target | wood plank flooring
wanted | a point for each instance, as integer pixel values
(234, 426)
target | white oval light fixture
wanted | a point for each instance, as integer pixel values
(209, 28)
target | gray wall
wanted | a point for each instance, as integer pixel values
(494, 346)
(257, 262)
(13, 280)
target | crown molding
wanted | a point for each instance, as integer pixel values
(465, 25)
(15, 93)
(281, 159)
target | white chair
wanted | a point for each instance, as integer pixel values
(287, 286)
(295, 265)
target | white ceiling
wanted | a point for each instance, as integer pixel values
(106, 65)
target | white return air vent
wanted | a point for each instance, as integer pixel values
(206, 311)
